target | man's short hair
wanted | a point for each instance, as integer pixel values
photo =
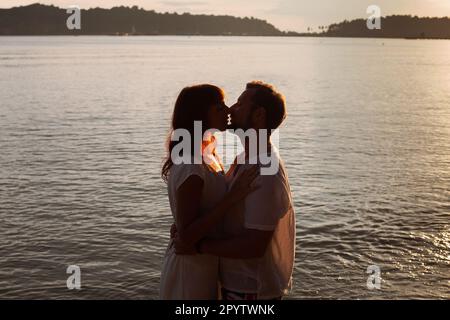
(273, 102)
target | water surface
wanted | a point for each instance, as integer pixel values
(83, 122)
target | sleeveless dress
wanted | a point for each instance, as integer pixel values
(192, 277)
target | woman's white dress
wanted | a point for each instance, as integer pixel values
(192, 277)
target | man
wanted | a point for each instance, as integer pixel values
(257, 254)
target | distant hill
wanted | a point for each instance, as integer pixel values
(396, 26)
(37, 19)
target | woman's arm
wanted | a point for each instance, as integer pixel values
(191, 225)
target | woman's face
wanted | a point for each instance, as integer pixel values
(218, 116)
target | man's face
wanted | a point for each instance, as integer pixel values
(242, 110)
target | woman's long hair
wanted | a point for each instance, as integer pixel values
(193, 104)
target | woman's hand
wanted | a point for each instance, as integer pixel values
(181, 248)
(243, 184)
(173, 231)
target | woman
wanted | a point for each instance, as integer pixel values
(198, 195)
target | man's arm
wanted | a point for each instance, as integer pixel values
(251, 244)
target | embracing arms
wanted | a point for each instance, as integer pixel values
(264, 209)
(191, 225)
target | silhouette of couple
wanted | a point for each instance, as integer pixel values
(233, 236)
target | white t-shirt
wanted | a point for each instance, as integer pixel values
(268, 208)
(192, 277)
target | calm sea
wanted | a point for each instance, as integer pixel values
(83, 122)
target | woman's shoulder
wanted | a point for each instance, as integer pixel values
(181, 172)
(181, 168)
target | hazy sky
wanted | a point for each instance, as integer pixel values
(285, 14)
